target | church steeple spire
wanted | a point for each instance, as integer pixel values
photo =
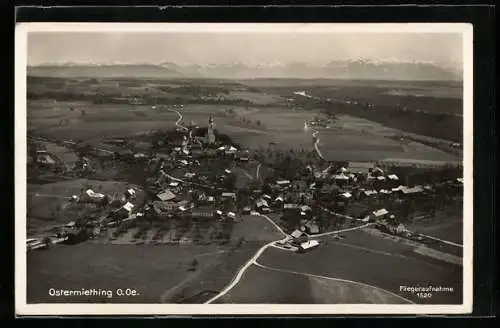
(210, 130)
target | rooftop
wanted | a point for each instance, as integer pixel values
(166, 195)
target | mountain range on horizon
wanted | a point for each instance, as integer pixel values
(357, 69)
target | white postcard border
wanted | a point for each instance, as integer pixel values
(21, 306)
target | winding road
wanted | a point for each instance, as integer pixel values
(254, 258)
(315, 136)
(178, 122)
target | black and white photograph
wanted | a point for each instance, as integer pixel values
(186, 168)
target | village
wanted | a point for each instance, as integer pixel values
(192, 186)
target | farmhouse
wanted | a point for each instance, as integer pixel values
(341, 176)
(92, 196)
(346, 195)
(42, 157)
(261, 203)
(166, 195)
(290, 206)
(128, 207)
(413, 190)
(228, 195)
(361, 167)
(296, 233)
(130, 193)
(308, 245)
(228, 149)
(377, 215)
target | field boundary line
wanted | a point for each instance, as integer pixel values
(254, 258)
(335, 279)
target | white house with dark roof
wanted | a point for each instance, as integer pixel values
(308, 245)
(228, 195)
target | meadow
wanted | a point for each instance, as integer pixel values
(353, 257)
(274, 286)
(253, 113)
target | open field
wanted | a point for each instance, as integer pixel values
(334, 84)
(255, 229)
(355, 257)
(362, 139)
(265, 285)
(427, 108)
(150, 270)
(383, 92)
(214, 277)
(424, 101)
(349, 139)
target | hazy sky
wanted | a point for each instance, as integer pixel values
(217, 48)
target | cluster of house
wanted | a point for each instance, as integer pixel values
(365, 180)
(298, 241)
(197, 196)
(383, 186)
(43, 157)
(123, 209)
(178, 201)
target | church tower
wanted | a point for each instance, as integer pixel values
(210, 130)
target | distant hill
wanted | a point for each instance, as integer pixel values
(338, 69)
